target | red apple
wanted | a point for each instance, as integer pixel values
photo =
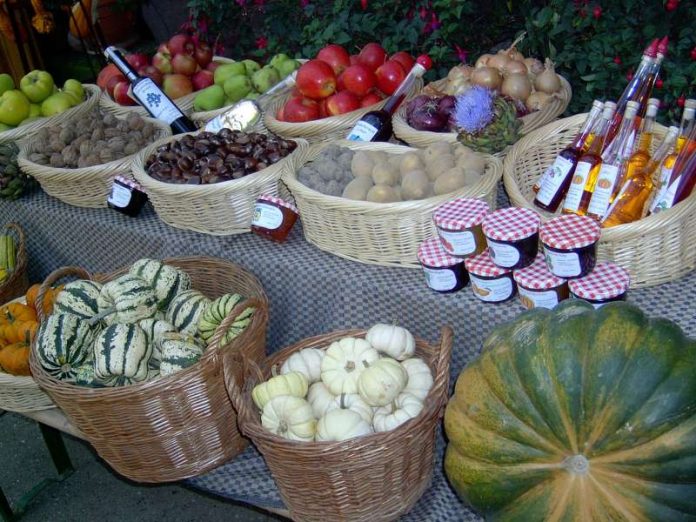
(203, 54)
(162, 62)
(342, 102)
(137, 60)
(316, 80)
(359, 79)
(106, 74)
(153, 73)
(389, 75)
(111, 83)
(280, 115)
(354, 59)
(370, 99)
(336, 56)
(323, 111)
(202, 79)
(164, 49)
(176, 85)
(372, 55)
(212, 66)
(121, 93)
(405, 59)
(184, 64)
(181, 44)
(300, 109)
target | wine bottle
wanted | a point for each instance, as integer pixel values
(151, 97)
(377, 125)
(641, 155)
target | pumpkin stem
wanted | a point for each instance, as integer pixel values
(282, 427)
(101, 315)
(366, 364)
(350, 366)
(343, 401)
(577, 464)
(274, 370)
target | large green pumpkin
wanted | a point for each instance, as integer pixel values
(576, 414)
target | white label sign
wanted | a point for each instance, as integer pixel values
(491, 290)
(267, 216)
(503, 255)
(458, 243)
(440, 279)
(538, 298)
(563, 264)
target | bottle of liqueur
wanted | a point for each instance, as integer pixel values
(587, 163)
(151, 97)
(630, 203)
(641, 155)
(556, 179)
(684, 172)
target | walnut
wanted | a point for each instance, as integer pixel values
(67, 135)
(98, 134)
(42, 134)
(39, 158)
(41, 145)
(109, 119)
(106, 155)
(70, 155)
(135, 136)
(92, 159)
(56, 160)
(112, 133)
(131, 148)
(85, 149)
(148, 130)
(122, 125)
(135, 122)
(116, 144)
(82, 162)
(56, 144)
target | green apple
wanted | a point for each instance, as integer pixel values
(251, 66)
(265, 78)
(56, 103)
(286, 67)
(226, 70)
(6, 83)
(76, 88)
(4, 127)
(209, 99)
(34, 110)
(14, 107)
(252, 95)
(37, 85)
(278, 58)
(236, 87)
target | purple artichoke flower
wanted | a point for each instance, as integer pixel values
(474, 109)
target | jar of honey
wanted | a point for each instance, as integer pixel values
(512, 235)
(607, 282)
(273, 217)
(444, 273)
(489, 282)
(539, 288)
(570, 245)
(458, 224)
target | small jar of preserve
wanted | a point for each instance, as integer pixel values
(570, 245)
(512, 235)
(458, 224)
(127, 196)
(489, 282)
(444, 273)
(539, 288)
(607, 282)
(273, 217)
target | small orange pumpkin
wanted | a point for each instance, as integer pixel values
(32, 294)
(48, 300)
(16, 312)
(18, 331)
(14, 358)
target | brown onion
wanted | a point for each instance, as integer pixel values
(517, 86)
(548, 81)
(487, 77)
(537, 100)
(483, 60)
(533, 65)
(514, 54)
(499, 61)
(460, 71)
(515, 67)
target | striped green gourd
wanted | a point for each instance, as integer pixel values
(63, 344)
(122, 351)
(78, 298)
(127, 300)
(177, 352)
(166, 280)
(186, 309)
(84, 376)
(215, 313)
(154, 328)
(238, 325)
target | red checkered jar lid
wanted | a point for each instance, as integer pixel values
(537, 276)
(511, 224)
(483, 266)
(128, 182)
(432, 254)
(278, 201)
(569, 232)
(461, 213)
(606, 281)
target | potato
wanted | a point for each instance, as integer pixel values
(437, 167)
(377, 156)
(415, 185)
(362, 164)
(436, 150)
(395, 161)
(474, 162)
(382, 194)
(450, 181)
(460, 150)
(397, 191)
(472, 177)
(410, 161)
(385, 174)
(358, 188)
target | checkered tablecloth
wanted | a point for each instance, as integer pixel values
(310, 292)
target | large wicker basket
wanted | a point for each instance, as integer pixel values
(17, 281)
(219, 209)
(177, 426)
(387, 234)
(81, 187)
(654, 250)
(372, 478)
(530, 122)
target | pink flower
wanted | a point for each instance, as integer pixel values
(423, 13)
(261, 42)
(363, 4)
(304, 3)
(259, 2)
(462, 54)
(241, 3)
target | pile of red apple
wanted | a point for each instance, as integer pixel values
(336, 82)
(179, 67)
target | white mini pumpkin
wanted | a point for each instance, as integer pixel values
(307, 362)
(293, 383)
(353, 402)
(404, 408)
(343, 363)
(290, 417)
(382, 382)
(395, 341)
(341, 425)
(320, 398)
(420, 378)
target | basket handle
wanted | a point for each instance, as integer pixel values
(443, 361)
(225, 324)
(21, 241)
(249, 369)
(53, 277)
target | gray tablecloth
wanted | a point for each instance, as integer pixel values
(310, 292)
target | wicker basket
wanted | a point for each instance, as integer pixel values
(17, 282)
(177, 426)
(81, 187)
(92, 97)
(220, 208)
(530, 122)
(654, 250)
(372, 478)
(387, 234)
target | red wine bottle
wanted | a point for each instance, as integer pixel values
(151, 97)
(377, 125)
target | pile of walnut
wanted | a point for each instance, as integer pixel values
(94, 139)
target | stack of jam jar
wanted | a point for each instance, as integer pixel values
(499, 252)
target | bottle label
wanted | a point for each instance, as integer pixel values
(538, 298)
(604, 188)
(267, 216)
(665, 175)
(156, 102)
(503, 255)
(491, 290)
(667, 198)
(563, 264)
(120, 196)
(458, 243)
(440, 279)
(362, 131)
(577, 187)
(553, 179)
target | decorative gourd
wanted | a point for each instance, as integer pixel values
(78, 298)
(49, 297)
(12, 313)
(18, 331)
(14, 358)
(126, 299)
(577, 414)
(166, 280)
(290, 417)
(382, 382)
(343, 363)
(404, 407)
(216, 313)
(154, 328)
(341, 424)
(63, 344)
(84, 376)
(395, 341)
(353, 402)
(420, 378)
(294, 384)
(320, 398)
(176, 352)
(122, 352)
(186, 309)
(307, 362)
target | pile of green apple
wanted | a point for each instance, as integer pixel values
(37, 96)
(244, 80)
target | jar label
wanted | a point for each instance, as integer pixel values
(577, 187)
(563, 264)
(155, 101)
(503, 255)
(604, 188)
(538, 298)
(553, 179)
(458, 243)
(120, 196)
(362, 131)
(440, 279)
(491, 290)
(267, 216)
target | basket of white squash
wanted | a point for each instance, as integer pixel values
(346, 421)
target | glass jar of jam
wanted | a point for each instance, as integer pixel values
(513, 236)
(570, 245)
(444, 273)
(607, 282)
(458, 224)
(539, 288)
(273, 217)
(127, 196)
(489, 282)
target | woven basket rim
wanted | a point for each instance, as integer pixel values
(20, 270)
